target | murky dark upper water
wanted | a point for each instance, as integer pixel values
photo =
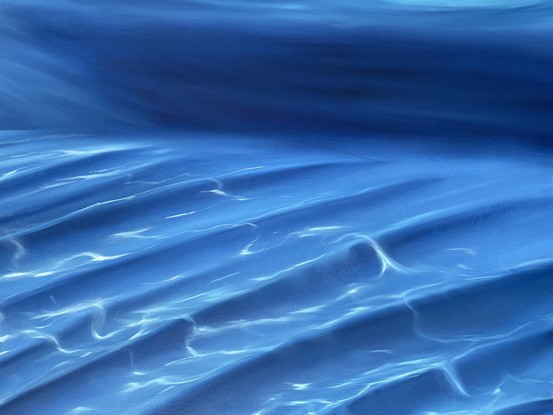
(273, 208)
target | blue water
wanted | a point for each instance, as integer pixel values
(270, 208)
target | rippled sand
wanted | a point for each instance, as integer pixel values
(230, 275)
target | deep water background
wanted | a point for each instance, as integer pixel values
(264, 208)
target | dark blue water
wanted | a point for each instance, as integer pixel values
(270, 208)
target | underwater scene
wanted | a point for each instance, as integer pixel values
(247, 207)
